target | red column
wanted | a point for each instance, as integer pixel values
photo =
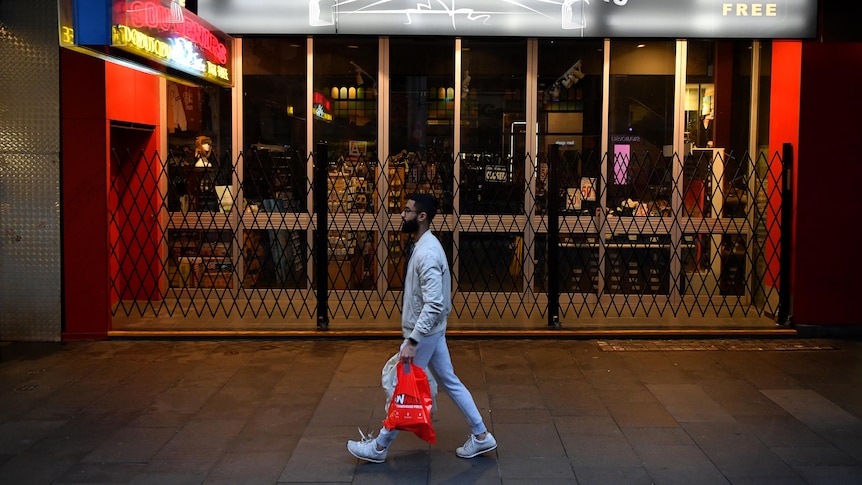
(94, 92)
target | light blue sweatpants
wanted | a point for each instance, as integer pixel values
(433, 353)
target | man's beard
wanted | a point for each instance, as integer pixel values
(410, 226)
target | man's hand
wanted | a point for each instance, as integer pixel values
(408, 352)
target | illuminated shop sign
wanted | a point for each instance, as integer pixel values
(775, 19)
(322, 106)
(159, 30)
(171, 35)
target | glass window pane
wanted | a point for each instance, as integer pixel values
(490, 262)
(570, 117)
(345, 96)
(493, 131)
(639, 176)
(421, 118)
(274, 127)
(199, 146)
(274, 258)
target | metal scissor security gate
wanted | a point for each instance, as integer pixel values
(551, 239)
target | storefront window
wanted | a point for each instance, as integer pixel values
(569, 116)
(421, 119)
(493, 130)
(200, 166)
(345, 97)
(274, 124)
(641, 119)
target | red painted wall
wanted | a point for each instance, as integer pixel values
(783, 128)
(84, 141)
(135, 201)
(827, 260)
(92, 93)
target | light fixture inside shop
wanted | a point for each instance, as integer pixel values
(569, 78)
(361, 81)
(572, 76)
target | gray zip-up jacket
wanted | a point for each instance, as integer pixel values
(427, 290)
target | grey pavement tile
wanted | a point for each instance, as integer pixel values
(245, 468)
(183, 398)
(174, 478)
(847, 394)
(767, 376)
(347, 406)
(641, 438)
(655, 368)
(515, 396)
(814, 456)
(586, 425)
(446, 468)
(228, 405)
(175, 458)
(74, 439)
(160, 419)
(739, 398)
(571, 398)
(641, 415)
(391, 472)
(782, 430)
(678, 464)
(783, 480)
(736, 453)
(635, 394)
(35, 468)
(547, 362)
(321, 456)
(528, 440)
(521, 416)
(207, 433)
(689, 403)
(846, 438)
(19, 435)
(811, 408)
(101, 473)
(538, 468)
(830, 475)
(130, 445)
(601, 451)
(612, 476)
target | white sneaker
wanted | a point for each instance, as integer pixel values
(366, 449)
(474, 447)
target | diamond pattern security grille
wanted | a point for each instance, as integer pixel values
(640, 235)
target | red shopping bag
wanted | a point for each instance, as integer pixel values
(410, 408)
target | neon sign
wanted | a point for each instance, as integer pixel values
(163, 31)
(322, 106)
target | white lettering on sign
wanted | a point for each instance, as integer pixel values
(496, 173)
(749, 9)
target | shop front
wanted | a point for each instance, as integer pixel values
(600, 165)
(142, 83)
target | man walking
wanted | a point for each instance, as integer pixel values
(427, 303)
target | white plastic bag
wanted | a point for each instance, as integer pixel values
(389, 377)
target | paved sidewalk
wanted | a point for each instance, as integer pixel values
(563, 411)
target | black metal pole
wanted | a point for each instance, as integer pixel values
(786, 259)
(553, 223)
(321, 208)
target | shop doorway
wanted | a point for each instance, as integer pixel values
(134, 207)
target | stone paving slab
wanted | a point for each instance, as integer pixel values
(563, 411)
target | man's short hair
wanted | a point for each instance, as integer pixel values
(426, 203)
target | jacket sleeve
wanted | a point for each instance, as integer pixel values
(430, 274)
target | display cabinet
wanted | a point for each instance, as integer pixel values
(200, 259)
